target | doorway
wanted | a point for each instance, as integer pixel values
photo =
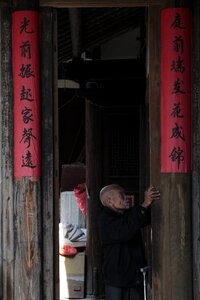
(102, 109)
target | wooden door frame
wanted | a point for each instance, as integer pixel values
(153, 91)
(161, 287)
(153, 74)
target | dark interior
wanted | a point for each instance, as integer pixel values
(116, 86)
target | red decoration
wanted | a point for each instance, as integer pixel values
(81, 196)
(67, 250)
(26, 77)
(176, 90)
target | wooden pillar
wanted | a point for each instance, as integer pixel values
(27, 224)
(94, 173)
(196, 148)
(6, 159)
(171, 217)
(27, 245)
(50, 186)
(75, 17)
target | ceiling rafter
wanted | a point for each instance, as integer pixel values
(102, 3)
(98, 26)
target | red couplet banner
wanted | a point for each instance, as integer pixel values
(176, 90)
(26, 79)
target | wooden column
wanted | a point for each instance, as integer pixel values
(27, 272)
(50, 186)
(6, 160)
(27, 224)
(196, 148)
(75, 17)
(171, 217)
(94, 173)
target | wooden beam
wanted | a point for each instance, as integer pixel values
(91, 3)
(98, 3)
(5, 3)
(25, 5)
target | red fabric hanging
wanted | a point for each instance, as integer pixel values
(176, 90)
(26, 78)
(81, 196)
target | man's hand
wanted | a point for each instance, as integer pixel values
(150, 195)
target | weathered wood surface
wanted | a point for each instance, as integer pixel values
(25, 5)
(5, 3)
(153, 75)
(27, 225)
(76, 31)
(90, 3)
(94, 172)
(23, 237)
(196, 148)
(47, 71)
(98, 3)
(28, 243)
(56, 180)
(171, 217)
(6, 159)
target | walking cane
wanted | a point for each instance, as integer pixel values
(144, 272)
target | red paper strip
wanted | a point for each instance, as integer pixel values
(176, 90)
(26, 78)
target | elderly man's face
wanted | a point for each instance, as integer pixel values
(120, 200)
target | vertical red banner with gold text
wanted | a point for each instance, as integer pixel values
(176, 90)
(26, 79)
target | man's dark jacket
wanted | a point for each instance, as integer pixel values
(123, 251)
